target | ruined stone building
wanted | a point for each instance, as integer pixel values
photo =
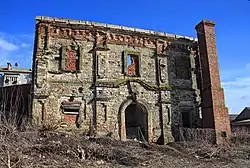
(128, 82)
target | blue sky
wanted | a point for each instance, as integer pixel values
(232, 18)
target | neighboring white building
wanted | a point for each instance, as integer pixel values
(14, 76)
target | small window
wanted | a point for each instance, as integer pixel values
(6, 80)
(186, 119)
(183, 68)
(71, 107)
(71, 110)
(200, 113)
(224, 134)
(14, 79)
(132, 65)
(14, 82)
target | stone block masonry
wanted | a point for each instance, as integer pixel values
(120, 81)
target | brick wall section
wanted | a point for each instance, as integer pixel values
(215, 113)
(70, 118)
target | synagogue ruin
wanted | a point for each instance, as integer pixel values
(128, 82)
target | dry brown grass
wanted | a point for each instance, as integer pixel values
(35, 148)
(54, 149)
(197, 135)
(241, 135)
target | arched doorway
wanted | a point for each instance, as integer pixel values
(136, 122)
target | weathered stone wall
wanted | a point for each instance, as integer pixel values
(166, 85)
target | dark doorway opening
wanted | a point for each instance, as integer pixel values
(186, 119)
(136, 122)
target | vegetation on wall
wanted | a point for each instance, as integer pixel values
(146, 85)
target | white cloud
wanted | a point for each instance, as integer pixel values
(236, 84)
(15, 48)
(8, 46)
(25, 45)
(4, 55)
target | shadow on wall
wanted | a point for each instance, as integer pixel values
(15, 105)
(182, 70)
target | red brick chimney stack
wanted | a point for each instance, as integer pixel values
(9, 66)
(215, 113)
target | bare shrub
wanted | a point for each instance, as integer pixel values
(14, 117)
(15, 106)
(201, 143)
(11, 144)
(240, 135)
(197, 135)
(50, 124)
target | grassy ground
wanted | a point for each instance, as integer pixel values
(62, 150)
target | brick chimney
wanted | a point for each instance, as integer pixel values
(9, 66)
(215, 113)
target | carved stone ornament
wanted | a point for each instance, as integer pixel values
(107, 37)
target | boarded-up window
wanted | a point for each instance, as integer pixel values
(71, 110)
(183, 68)
(70, 59)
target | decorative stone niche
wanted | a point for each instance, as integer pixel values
(162, 47)
(163, 70)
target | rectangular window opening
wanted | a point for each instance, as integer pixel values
(70, 59)
(70, 108)
(223, 134)
(186, 119)
(132, 65)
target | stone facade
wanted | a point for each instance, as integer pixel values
(118, 80)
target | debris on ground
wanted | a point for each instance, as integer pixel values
(54, 149)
